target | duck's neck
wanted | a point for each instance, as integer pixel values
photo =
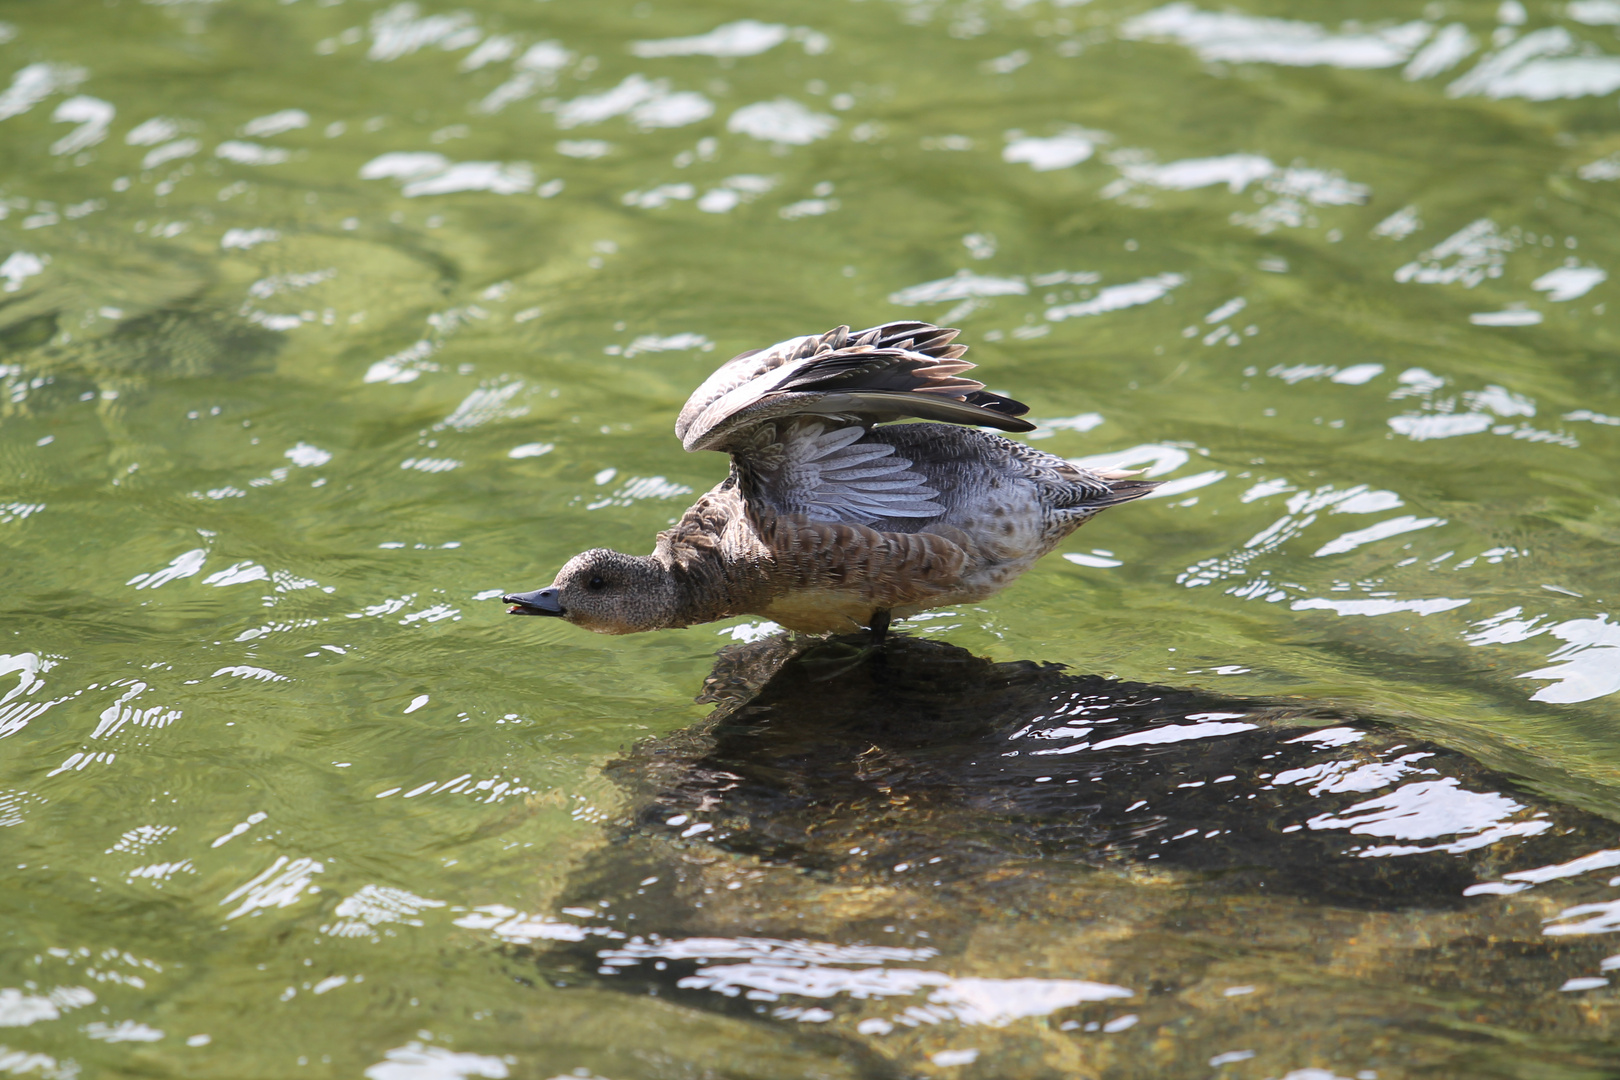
(705, 586)
(712, 580)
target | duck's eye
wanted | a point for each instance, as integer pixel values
(596, 583)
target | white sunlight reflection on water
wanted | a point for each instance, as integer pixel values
(363, 356)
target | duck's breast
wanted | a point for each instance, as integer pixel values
(820, 611)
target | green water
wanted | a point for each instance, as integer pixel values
(283, 792)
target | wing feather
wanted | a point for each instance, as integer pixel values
(899, 369)
(820, 472)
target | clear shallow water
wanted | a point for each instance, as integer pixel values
(323, 320)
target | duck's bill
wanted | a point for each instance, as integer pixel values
(539, 602)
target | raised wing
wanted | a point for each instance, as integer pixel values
(884, 373)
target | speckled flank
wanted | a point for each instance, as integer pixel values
(1005, 506)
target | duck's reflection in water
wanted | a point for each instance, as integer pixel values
(1019, 871)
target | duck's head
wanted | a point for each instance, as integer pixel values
(605, 591)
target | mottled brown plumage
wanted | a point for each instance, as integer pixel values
(828, 522)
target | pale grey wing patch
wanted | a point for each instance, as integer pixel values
(829, 474)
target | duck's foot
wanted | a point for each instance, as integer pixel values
(844, 652)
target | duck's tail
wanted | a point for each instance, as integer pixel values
(1089, 491)
(1123, 491)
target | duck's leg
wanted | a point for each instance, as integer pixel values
(879, 625)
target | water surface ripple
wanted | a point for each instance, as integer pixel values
(323, 322)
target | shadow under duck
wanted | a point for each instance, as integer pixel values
(903, 851)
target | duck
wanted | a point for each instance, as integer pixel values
(862, 489)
